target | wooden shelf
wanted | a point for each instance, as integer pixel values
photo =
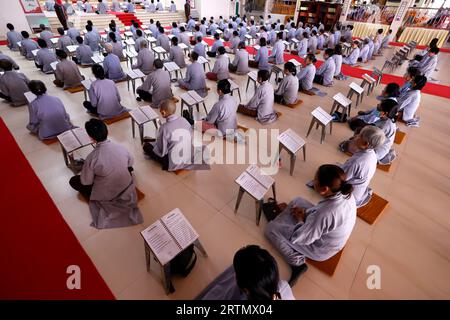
(315, 12)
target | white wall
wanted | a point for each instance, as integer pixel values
(213, 8)
(11, 11)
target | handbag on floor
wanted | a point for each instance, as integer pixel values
(184, 262)
(271, 209)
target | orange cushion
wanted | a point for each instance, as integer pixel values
(50, 141)
(279, 114)
(371, 211)
(384, 167)
(140, 194)
(180, 172)
(294, 105)
(75, 89)
(124, 115)
(328, 266)
(399, 136)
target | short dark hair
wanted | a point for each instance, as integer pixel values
(257, 272)
(37, 87)
(25, 34)
(262, 42)
(158, 64)
(174, 41)
(216, 36)
(280, 35)
(290, 67)
(161, 30)
(221, 50)
(10, 26)
(61, 54)
(311, 57)
(264, 75)
(96, 129)
(61, 31)
(390, 107)
(139, 32)
(194, 55)
(329, 52)
(199, 39)
(98, 71)
(88, 27)
(89, 22)
(42, 43)
(392, 90)
(419, 82)
(224, 86)
(111, 35)
(338, 49)
(333, 177)
(434, 50)
(6, 65)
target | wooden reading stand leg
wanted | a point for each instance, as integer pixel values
(258, 205)
(322, 137)
(167, 283)
(65, 155)
(147, 256)
(141, 132)
(310, 127)
(293, 158)
(273, 191)
(133, 129)
(239, 198)
(304, 153)
(248, 82)
(199, 246)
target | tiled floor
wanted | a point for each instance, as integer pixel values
(410, 242)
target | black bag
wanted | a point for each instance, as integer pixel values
(271, 209)
(184, 262)
(337, 117)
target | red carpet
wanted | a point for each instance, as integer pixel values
(401, 44)
(36, 244)
(126, 18)
(430, 88)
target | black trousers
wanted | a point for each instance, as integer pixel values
(318, 79)
(144, 95)
(39, 66)
(75, 59)
(85, 190)
(211, 54)
(88, 105)
(278, 98)
(7, 98)
(164, 161)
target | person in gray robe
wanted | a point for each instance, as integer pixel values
(173, 7)
(302, 47)
(107, 182)
(241, 282)
(102, 7)
(112, 66)
(49, 5)
(217, 43)
(13, 85)
(325, 73)
(260, 105)
(200, 48)
(28, 46)
(352, 58)
(261, 61)
(13, 37)
(234, 43)
(83, 54)
(337, 57)
(184, 38)
(46, 35)
(277, 55)
(361, 166)
(151, 7)
(88, 7)
(104, 96)
(67, 74)
(307, 73)
(145, 59)
(220, 70)
(139, 40)
(156, 87)
(222, 116)
(48, 117)
(195, 77)
(318, 232)
(163, 40)
(117, 46)
(312, 43)
(6, 57)
(44, 57)
(428, 66)
(176, 54)
(159, 6)
(287, 92)
(410, 101)
(63, 40)
(73, 33)
(240, 61)
(92, 39)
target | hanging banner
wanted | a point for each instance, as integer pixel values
(30, 6)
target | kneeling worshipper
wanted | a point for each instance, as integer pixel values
(287, 92)
(104, 96)
(173, 147)
(156, 87)
(67, 74)
(253, 276)
(220, 70)
(48, 117)
(260, 105)
(318, 232)
(107, 182)
(111, 65)
(45, 57)
(195, 77)
(13, 84)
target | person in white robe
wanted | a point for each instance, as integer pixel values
(410, 102)
(195, 77)
(239, 65)
(130, 7)
(49, 5)
(240, 282)
(28, 46)
(352, 58)
(92, 39)
(112, 66)
(145, 59)
(151, 7)
(220, 70)
(156, 87)
(173, 7)
(361, 166)
(260, 105)
(67, 74)
(83, 54)
(318, 232)
(307, 73)
(159, 6)
(44, 57)
(428, 65)
(104, 97)
(364, 53)
(106, 181)
(13, 85)
(47, 115)
(277, 54)
(302, 47)
(325, 73)
(115, 6)
(337, 57)
(287, 91)
(312, 43)
(261, 61)
(102, 7)
(13, 37)
(387, 38)
(88, 7)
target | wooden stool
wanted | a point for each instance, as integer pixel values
(320, 118)
(341, 102)
(399, 137)
(292, 143)
(277, 69)
(370, 81)
(122, 116)
(252, 76)
(328, 266)
(356, 89)
(371, 211)
(191, 99)
(377, 73)
(235, 87)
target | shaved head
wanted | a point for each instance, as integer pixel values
(168, 106)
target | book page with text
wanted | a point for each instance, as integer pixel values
(256, 173)
(68, 141)
(253, 187)
(82, 136)
(180, 228)
(138, 116)
(149, 112)
(161, 242)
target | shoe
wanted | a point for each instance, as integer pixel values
(138, 99)
(297, 271)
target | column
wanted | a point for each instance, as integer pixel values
(400, 15)
(345, 9)
(297, 9)
(267, 8)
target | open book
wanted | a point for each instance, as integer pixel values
(30, 96)
(170, 235)
(191, 98)
(202, 60)
(86, 84)
(72, 49)
(131, 52)
(159, 50)
(171, 66)
(98, 58)
(291, 140)
(74, 139)
(135, 74)
(143, 114)
(53, 65)
(255, 182)
(296, 63)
